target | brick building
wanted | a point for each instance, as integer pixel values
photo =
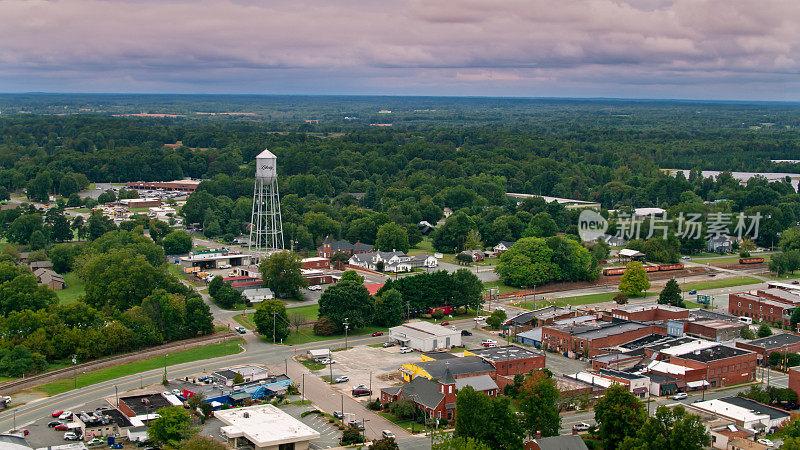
(435, 398)
(776, 343)
(186, 186)
(649, 313)
(794, 379)
(724, 365)
(594, 339)
(716, 330)
(330, 247)
(510, 359)
(317, 263)
(760, 308)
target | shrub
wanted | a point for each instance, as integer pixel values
(438, 315)
(324, 327)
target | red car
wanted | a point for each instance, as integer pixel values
(444, 323)
(378, 333)
(61, 427)
(57, 413)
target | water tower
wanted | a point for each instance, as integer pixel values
(266, 229)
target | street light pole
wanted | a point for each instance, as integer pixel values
(165, 366)
(273, 326)
(303, 391)
(346, 326)
(75, 370)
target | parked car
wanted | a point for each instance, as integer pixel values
(444, 323)
(23, 432)
(360, 386)
(61, 427)
(95, 441)
(405, 350)
(387, 344)
(355, 423)
(315, 287)
(327, 361)
(240, 330)
(378, 333)
(224, 266)
(583, 426)
(341, 379)
(488, 342)
(53, 423)
(480, 318)
(680, 396)
(361, 392)
(766, 442)
(686, 257)
(795, 282)
(57, 413)
(466, 333)
(70, 436)
(693, 291)
(387, 434)
(177, 392)
(116, 445)
(66, 415)
(338, 414)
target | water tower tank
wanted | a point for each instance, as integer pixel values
(265, 166)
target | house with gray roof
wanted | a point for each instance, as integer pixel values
(330, 247)
(567, 442)
(394, 261)
(437, 398)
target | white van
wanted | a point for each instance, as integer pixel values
(747, 320)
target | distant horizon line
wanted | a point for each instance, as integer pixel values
(487, 97)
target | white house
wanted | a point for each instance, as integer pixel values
(392, 261)
(502, 246)
(258, 295)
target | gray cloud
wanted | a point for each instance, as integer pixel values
(512, 47)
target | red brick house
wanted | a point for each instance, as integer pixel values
(783, 343)
(317, 263)
(510, 360)
(724, 366)
(330, 247)
(650, 313)
(436, 398)
(764, 309)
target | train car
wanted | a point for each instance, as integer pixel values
(663, 267)
(614, 271)
(651, 268)
(442, 309)
(751, 260)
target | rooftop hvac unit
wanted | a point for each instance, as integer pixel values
(246, 415)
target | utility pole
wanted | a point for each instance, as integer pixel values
(303, 391)
(286, 367)
(165, 366)
(116, 395)
(75, 370)
(346, 326)
(370, 386)
(273, 326)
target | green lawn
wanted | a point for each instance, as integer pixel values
(499, 285)
(73, 291)
(205, 352)
(784, 277)
(311, 312)
(307, 336)
(721, 283)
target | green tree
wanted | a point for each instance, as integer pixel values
(466, 290)
(542, 225)
(200, 442)
(619, 414)
(486, 419)
(61, 230)
(352, 275)
(351, 435)
(671, 428)
(389, 309)
(671, 295)
(271, 312)
(620, 299)
(347, 300)
(226, 296)
(764, 331)
(158, 229)
(747, 333)
(121, 279)
(176, 243)
(795, 319)
(451, 237)
(38, 189)
(634, 281)
(23, 227)
(324, 327)
(238, 378)
(172, 427)
(460, 443)
(38, 240)
(474, 240)
(282, 272)
(496, 319)
(538, 395)
(384, 444)
(214, 286)
(392, 236)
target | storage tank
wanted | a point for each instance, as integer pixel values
(266, 166)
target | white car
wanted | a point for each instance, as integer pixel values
(66, 415)
(177, 392)
(405, 350)
(315, 287)
(583, 426)
(360, 386)
(680, 396)
(70, 436)
(387, 434)
(480, 318)
(327, 361)
(224, 266)
(766, 442)
(341, 379)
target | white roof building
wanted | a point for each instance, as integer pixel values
(264, 427)
(689, 347)
(745, 412)
(425, 336)
(258, 295)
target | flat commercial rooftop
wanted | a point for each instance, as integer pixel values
(505, 353)
(775, 341)
(264, 425)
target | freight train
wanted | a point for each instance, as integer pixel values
(659, 268)
(751, 260)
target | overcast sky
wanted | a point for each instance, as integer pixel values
(702, 49)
